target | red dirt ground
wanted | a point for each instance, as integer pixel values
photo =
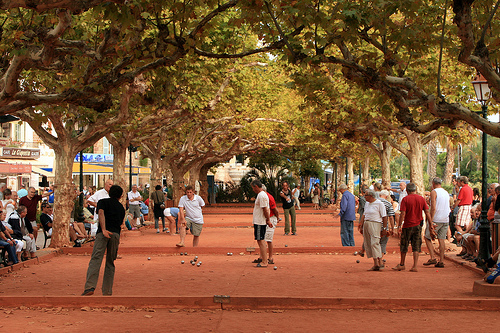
(313, 271)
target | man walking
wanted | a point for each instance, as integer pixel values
(347, 216)
(111, 215)
(440, 213)
(190, 216)
(410, 223)
(261, 220)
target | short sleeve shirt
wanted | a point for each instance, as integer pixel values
(261, 201)
(131, 195)
(45, 220)
(31, 205)
(413, 205)
(466, 195)
(375, 211)
(272, 204)
(193, 208)
(114, 214)
(96, 197)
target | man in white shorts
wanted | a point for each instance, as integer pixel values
(190, 216)
(440, 213)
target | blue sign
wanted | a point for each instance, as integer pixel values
(95, 158)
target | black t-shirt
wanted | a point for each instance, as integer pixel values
(497, 204)
(114, 213)
(45, 220)
(286, 204)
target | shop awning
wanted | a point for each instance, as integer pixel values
(42, 172)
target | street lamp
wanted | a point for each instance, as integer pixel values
(483, 93)
(80, 217)
(131, 149)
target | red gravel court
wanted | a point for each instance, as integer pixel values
(313, 274)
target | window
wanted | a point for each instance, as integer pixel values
(18, 133)
(107, 148)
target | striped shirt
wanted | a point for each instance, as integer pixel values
(388, 207)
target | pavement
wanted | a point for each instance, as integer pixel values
(312, 272)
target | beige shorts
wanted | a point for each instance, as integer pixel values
(195, 228)
(270, 231)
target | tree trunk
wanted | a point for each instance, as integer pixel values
(203, 179)
(432, 158)
(385, 164)
(415, 157)
(177, 184)
(156, 171)
(450, 161)
(64, 191)
(350, 172)
(119, 161)
(366, 169)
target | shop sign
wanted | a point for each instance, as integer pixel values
(95, 158)
(20, 152)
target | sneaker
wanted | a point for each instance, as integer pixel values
(256, 261)
(294, 234)
(157, 231)
(491, 278)
(439, 264)
(165, 229)
(88, 292)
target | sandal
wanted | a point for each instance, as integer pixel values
(430, 262)
(399, 268)
(260, 265)
(374, 268)
(270, 261)
(257, 261)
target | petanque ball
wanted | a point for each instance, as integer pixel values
(193, 263)
(182, 254)
(196, 257)
(149, 258)
(198, 264)
(182, 261)
(286, 245)
(275, 267)
(357, 261)
(185, 253)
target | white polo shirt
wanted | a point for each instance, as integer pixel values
(193, 208)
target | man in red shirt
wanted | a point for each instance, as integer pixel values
(30, 201)
(464, 203)
(273, 218)
(410, 221)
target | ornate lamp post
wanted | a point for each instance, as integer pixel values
(483, 93)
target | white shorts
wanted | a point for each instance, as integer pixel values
(270, 231)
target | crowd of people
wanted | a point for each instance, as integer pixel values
(445, 217)
(448, 217)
